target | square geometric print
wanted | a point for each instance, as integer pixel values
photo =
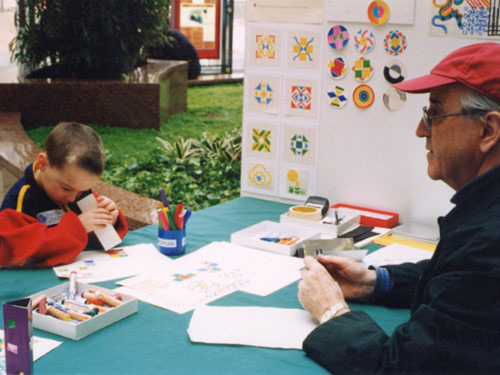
(303, 49)
(261, 176)
(301, 97)
(261, 140)
(296, 181)
(263, 93)
(299, 145)
(265, 47)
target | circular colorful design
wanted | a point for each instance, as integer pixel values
(378, 12)
(395, 43)
(362, 69)
(394, 71)
(337, 68)
(338, 36)
(394, 99)
(337, 99)
(364, 40)
(363, 96)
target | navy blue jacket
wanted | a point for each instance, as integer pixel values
(454, 297)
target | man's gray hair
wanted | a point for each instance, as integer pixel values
(473, 101)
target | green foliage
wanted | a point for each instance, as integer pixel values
(197, 172)
(89, 38)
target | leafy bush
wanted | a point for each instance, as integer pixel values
(197, 172)
(88, 38)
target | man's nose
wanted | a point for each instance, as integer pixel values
(422, 129)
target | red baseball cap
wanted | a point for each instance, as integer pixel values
(476, 66)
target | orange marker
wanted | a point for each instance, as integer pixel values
(91, 298)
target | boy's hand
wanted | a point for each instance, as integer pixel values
(109, 205)
(96, 219)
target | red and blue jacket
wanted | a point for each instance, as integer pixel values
(37, 232)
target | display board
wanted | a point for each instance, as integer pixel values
(321, 116)
(199, 21)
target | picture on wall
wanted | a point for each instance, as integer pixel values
(303, 49)
(301, 97)
(265, 46)
(466, 18)
(299, 145)
(260, 177)
(263, 93)
(294, 182)
(261, 140)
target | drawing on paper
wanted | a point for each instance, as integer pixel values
(395, 43)
(261, 140)
(296, 182)
(299, 144)
(338, 37)
(362, 69)
(303, 49)
(363, 96)
(260, 176)
(394, 71)
(469, 18)
(337, 97)
(301, 97)
(337, 68)
(364, 41)
(208, 266)
(182, 277)
(117, 253)
(378, 12)
(264, 94)
(265, 47)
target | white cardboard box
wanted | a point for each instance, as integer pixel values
(77, 331)
(349, 222)
(252, 235)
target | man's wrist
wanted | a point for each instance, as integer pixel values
(333, 311)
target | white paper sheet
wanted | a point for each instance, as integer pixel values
(107, 236)
(41, 346)
(212, 272)
(96, 266)
(256, 326)
(396, 254)
(290, 11)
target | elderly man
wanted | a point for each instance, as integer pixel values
(454, 297)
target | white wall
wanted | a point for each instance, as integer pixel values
(372, 157)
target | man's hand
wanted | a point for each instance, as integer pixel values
(354, 279)
(95, 219)
(108, 204)
(318, 291)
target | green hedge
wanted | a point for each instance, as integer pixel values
(197, 172)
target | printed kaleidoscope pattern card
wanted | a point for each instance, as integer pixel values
(303, 49)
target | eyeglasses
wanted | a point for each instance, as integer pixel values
(428, 119)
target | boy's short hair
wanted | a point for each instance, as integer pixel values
(75, 144)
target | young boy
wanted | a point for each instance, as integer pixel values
(41, 224)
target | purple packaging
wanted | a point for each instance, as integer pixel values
(18, 337)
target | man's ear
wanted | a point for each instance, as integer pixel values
(491, 132)
(42, 161)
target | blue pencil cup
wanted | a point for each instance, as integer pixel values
(172, 242)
